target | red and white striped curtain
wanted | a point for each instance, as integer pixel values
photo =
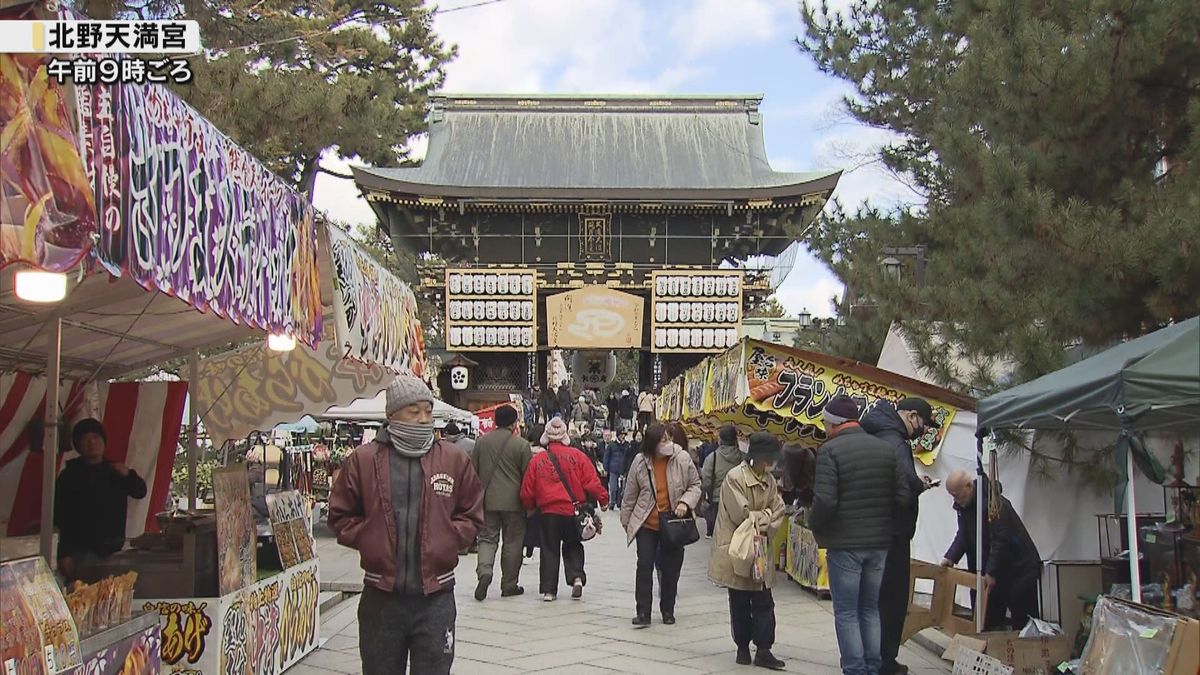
(141, 421)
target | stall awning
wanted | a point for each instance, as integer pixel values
(1153, 380)
(372, 410)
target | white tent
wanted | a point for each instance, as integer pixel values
(372, 410)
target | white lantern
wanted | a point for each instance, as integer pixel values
(731, 336)
(489, 336)
(514, 336)
(710, 312)
(660, 337)
(527, 311)
(455, 336)
(455, 283)
(479, 335)
(489, 310)
(672, 312)
(660, 285)
(660, 311)
(502, 311)
(527, 284)
(719, 338)
(477, 284)
(685, 312)
(719, 314)
(527, 336)
(502, 337)
(502, 284)
(732, 311)
(459, 378)
(709, 338)
(455, 310)
(489, 284)
(672, 285)
(685, 286)
(467, 309)
(468, 337)
(672, 338)
(697, 336)
(480, 309)
(710, 285)
(685, 339)
(733, 284)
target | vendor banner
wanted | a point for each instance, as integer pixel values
(261, 630)
(784, 391)
(185, 210)
(695, 383)
(376, 313)
(141, 421)
(594, 317)
(138, 654)
(255, 388)
(670, 401)
(47, 209)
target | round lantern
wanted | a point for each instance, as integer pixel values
(459, 378)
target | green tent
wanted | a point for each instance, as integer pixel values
(1151, 383)
(1148, 384)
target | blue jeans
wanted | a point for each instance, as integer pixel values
(854, 580)
(614, 489)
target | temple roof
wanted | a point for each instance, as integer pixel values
(610, 147)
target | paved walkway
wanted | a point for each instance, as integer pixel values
(594, 635)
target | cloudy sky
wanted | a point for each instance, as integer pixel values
(666, 46)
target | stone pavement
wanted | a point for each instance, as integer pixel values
(594, 635)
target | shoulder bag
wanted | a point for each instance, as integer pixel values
(586, 522)
(676, 532)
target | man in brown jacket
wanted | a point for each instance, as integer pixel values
(407, 504)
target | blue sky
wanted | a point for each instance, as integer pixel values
(667, 46)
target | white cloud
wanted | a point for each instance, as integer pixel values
(855, 149)
(809, 287)
(713, 25)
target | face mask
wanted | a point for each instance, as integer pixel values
(666, 450)
(916, 433)
(411, 439)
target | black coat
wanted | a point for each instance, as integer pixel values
(90, 503)
(884, 423)
(858, 486)
(1008, 550)
(627, 407)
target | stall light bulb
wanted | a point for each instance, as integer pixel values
(38, 286)
(281, 343)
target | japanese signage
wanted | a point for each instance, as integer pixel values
(256, 388)
(696, 311)
(237, 553)
(376, 313)
(184, 210)
(594, 317)
(491, 311)
(290, 512)
(47, 210)
(37, 633)
(784, 391)
(261, 630)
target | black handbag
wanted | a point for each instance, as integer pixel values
(676, 532)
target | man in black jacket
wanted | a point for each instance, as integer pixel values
(91, 499)
(1011, 562)
(899, 425)
(858, 486)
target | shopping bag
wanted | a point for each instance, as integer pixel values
(741, 548)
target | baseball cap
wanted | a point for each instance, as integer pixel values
(922, 408)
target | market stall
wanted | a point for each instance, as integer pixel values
(1144, 387)
(113, 275)
(760, 386)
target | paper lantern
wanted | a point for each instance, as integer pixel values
(460, 378)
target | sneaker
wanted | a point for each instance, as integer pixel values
(577, 589)
(743, 656)
(548, 597)
(707, 535)
(643, 620)
(518, 590)
(765, 659)
(482, 588)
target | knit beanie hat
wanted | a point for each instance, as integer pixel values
(406, 390)
(840, 410)
(763, 445)
(556, 430)
(87, 426)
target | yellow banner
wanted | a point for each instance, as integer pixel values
(788, 393)
(594, 317)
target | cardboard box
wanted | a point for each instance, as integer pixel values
(1028, 656)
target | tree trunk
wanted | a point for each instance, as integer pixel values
(308, 177)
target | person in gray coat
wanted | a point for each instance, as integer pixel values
(716, 466)
(859, 485)
(501, 457)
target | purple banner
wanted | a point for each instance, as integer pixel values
(185, 210)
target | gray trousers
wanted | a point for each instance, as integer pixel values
(395, 630)
(512, 525)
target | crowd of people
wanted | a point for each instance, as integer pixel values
(410, 503)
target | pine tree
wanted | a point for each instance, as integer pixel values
(1055, 144)
(291, 81)
(770, 308)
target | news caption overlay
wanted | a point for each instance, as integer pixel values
(107, 52)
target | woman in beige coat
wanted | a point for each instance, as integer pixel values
(662, 481)
(749, 491)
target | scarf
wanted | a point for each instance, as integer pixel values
(408, 439)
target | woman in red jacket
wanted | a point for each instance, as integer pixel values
(543, 489)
